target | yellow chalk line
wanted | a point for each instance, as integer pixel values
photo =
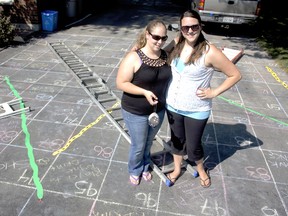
(83, 131)
(277, 78)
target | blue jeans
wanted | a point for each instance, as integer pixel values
(142, 136)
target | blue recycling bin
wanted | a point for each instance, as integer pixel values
(49, 20)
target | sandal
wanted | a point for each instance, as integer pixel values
(147, 176)
(134, 180)
(206, 182)
(172, 180)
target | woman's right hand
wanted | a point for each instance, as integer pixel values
(151, 97)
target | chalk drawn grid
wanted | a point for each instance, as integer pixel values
(247, 154)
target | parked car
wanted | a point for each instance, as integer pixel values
(228, 11)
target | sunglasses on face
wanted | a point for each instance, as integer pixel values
(157, 37)
(185, 29)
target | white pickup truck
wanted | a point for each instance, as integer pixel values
(227, 11)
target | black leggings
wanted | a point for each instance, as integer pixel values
(186, 135)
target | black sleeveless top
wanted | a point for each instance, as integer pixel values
(153, 75)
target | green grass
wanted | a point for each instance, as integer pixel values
(273, 37)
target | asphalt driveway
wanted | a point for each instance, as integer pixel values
(245, 140)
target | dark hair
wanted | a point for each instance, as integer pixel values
(200, 45)
(141, 41)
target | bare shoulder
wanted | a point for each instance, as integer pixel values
(215, 57)
(131, 58)
(213, 50)
(130, 63)
(132, 55)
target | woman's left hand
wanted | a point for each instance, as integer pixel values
(204, 93)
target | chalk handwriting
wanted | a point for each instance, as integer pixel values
(242, 141)
(258, 80)
(43, 97)
(109, 124)
(67, 120)
(266, 92)
(278, 160)
(26, 179)
(67, 113)
(182, 202)
(22, 164)
(15, 165)
(74, 169)
(110, 65)
(146, 199)
(274, 106)
(13, 124)
(61, 82)
(84, 101)
(7, 136)
(46, 89)
(269, 212)
(103, 152)
(51, 144)
(30, 80)
(258, 173)
(213, 209)
(241, 120)
(85, 188)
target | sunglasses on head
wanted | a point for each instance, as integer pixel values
(185, 29)
(157, 37)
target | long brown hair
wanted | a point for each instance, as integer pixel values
(200, 45)
(141, 40)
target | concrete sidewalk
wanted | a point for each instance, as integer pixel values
(245, 139)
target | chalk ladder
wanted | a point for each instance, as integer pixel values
(110, 105)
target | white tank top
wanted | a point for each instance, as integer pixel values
(181, 94)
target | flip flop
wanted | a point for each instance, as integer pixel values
(134, 180)
(206, 182)
(172, 180)
(147, 176)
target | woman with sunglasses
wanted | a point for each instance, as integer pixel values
(143, 76)
(189, 97)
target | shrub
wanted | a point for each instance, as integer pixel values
(7, 30)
